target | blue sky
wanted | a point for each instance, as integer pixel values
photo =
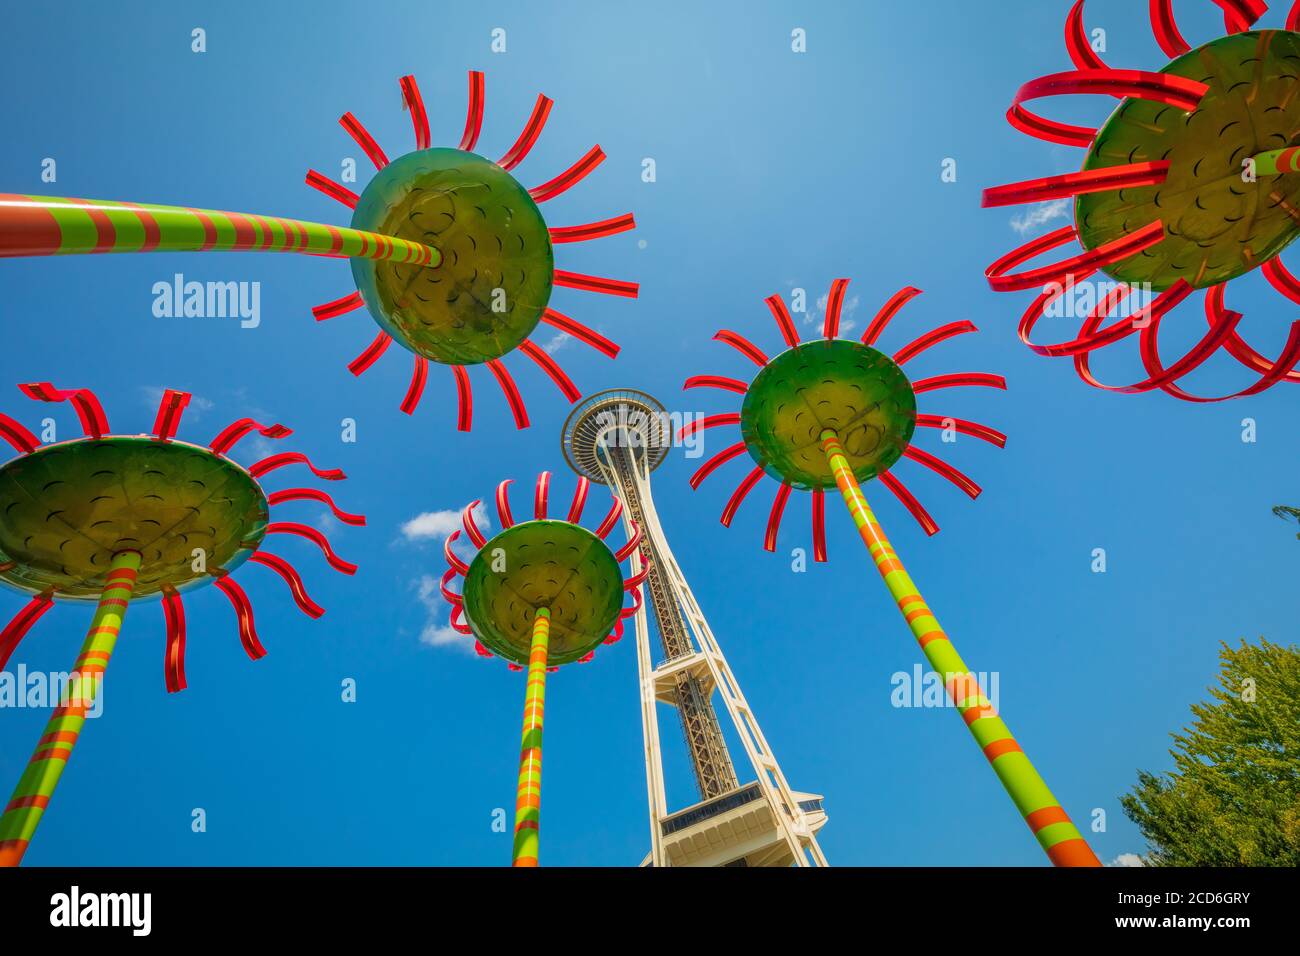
(774, 170)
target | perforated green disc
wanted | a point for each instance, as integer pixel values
(839, 384)
(494, 282)
(1216, 226)
(551, 564)
(65, 509)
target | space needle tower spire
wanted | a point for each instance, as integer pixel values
(617, 438)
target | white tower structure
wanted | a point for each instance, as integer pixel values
(617, 438)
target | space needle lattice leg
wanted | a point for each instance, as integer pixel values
(32, 795)
(1057, 835)
(789, 817)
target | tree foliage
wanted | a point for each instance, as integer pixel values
(1286, 511)
(1233, 798)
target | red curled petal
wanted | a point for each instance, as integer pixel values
(986, 379)
(1082, 55)
(743, 346)
(625, 552)
(1121, 248)
(580, 332)
(776, 305)
(89, 411)
(528, 135)
(1166, 29)
(932, 338)
(708, 421)
(291, 578)
(607, 525)
(20, 624)
(233, 432)
(774, 516)
(457, 565)
(174, 657)
(834, 304)
(579, 500)
(315, 537)
(570, 177)
(717, 461)
(887, 313)
(414, 392)
(717, 381)
(974, 429)
(503, 504)
(244, 615)
(449, 595)
(315, 494)
(18, 435)
(170, 409)
(464, 399)
(540, 493)
(361, 136)
(593, 230)
(941, 467)
(578, 280)
(1074, 184)
(511, 391)
(371, 354)
(636, 605)
(473, 112)
(552, 370)
(910, 503)
(337, 307)
(415, 105)
(819, 524)
(471, 526)
(739, 494)
(258, 469)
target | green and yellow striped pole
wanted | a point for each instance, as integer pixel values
(32, 795)
(528, 798)
(57, 226)
(1057, 835)
(1276, 161)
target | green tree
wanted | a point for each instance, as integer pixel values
(1233, 798)
(1286, 511)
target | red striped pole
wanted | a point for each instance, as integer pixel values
(32, 795)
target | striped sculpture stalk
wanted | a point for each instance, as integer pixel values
(1057, 835)
(36, 786)
(528, 797)
(832, 413)
(540, 594)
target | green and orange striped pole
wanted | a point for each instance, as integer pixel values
(1057, 835)
(57, 226)
(1276, 161)
(32, 795)
(528, 798)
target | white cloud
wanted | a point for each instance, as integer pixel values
(436, 525)
(435, 633)
(1040, 215)
(559, 341)
(1127, 859)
